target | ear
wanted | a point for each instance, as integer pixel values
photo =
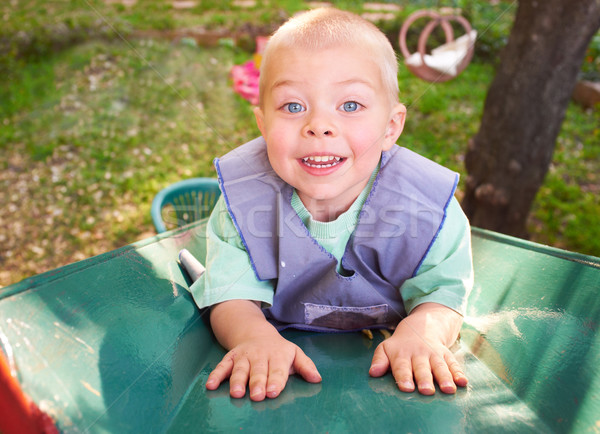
(395, 126)
(260, 120)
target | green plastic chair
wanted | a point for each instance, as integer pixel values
(184, 202)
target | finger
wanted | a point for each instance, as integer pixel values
(279, 372)
(460, 379)
(257, 383)
(221, 372)
(239, 378)
(305, 367)
(380, 362)
(403, 374)
(423, 376)
(442, 374)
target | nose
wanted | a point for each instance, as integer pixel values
(319, 125)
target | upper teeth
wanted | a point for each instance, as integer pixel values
(324, 158)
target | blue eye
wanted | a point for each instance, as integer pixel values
(350, 106)
(294, 107)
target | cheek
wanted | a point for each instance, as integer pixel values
(279, 159)
(367, 148)
(280, 139)
(275, 132)
(366, 144)
(366, 131)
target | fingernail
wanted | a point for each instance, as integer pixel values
(407, 385)
(237, 389)
(375, 368)
(256, 391)
(447, 385)
(426, 388)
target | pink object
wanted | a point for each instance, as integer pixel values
(245, 81)
(245, 76)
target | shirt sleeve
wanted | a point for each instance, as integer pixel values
(229, 274)
(446, 274)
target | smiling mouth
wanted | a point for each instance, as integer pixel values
(322, 161)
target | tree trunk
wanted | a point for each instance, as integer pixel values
(507, 159)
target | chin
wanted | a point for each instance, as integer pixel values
(315, 194)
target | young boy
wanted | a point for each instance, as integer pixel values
(325, 224)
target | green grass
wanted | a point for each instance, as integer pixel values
(93, 125)
(89, 152)
(567, 210)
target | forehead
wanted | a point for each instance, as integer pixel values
(332, 65)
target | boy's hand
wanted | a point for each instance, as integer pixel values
(259, 356)
(264, 367)
(418, 350)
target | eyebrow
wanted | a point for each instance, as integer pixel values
(282, 83)
(358, 80)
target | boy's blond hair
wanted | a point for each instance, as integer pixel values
(328, 27)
